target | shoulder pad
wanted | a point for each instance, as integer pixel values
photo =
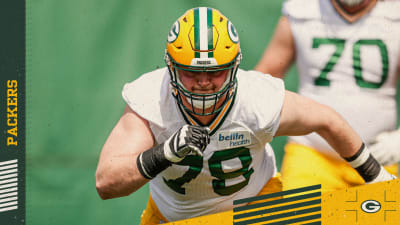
(389, 9)
(148, 88)
(301, 9)
(263, 96)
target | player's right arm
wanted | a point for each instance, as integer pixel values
(117, 174)
(130, 157)
(280, 52)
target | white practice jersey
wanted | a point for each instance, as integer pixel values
(351, 67)
(236, 164)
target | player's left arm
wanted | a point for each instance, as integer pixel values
(301, 115)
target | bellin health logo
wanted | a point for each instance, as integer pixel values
(234, 139)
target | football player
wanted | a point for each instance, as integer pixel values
(198, 129)
(347, 54)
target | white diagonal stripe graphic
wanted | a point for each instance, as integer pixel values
(8, 204)
(8, 194)
(8, 167)
(9, 199)
(8, 171)
(8, 185)
(8, 162)
(9, 208)
(9, 190)
(8, 181)
(203, 31)
(8, 176)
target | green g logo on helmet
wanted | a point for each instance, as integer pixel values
(174, 32)
(233, 35)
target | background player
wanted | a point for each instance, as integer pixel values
(198, 129)
(347, 54)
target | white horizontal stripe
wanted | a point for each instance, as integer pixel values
(9, 190)
(8, 194)
(8, 208)
(8, 185)
(361, 159)
(8, 181)
(8, 162)
(8, 167)
(8, 176)
(8, 171)
(9, 199)
(8, 204)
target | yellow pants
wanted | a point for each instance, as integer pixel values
(304, 166)
(151, 215)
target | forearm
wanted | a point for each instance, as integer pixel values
(124, 174)
(350, 146)
(337, 132)
(118, 176)
(301, 116)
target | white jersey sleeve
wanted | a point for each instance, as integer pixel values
(389, 9)
(143, 95)
(263, 99)
(301, 9)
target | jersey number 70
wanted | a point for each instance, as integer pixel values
(322, 80)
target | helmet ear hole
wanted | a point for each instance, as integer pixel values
(221, 19)
(184, 19)
(227, 47)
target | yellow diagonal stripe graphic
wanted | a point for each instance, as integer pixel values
(293, 206)
(373, 204)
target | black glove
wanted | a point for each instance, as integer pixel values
(188, 139)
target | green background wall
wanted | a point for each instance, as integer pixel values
(79, 55)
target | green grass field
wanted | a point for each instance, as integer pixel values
(79, 55)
